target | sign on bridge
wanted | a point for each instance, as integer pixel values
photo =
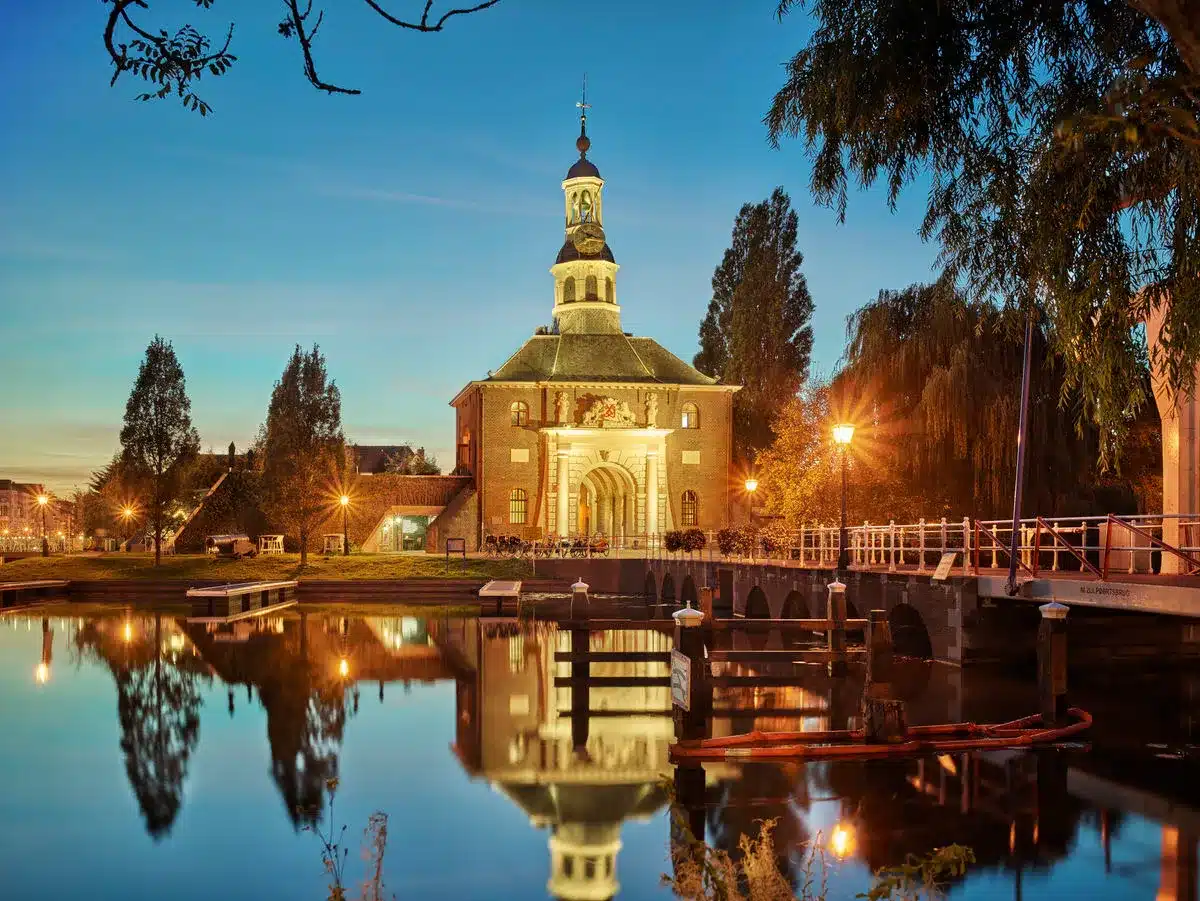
(942, 573)
(681, 681)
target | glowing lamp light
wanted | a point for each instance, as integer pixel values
(127, 634)
(843, 433)
(841, 840)
(752, 485)
(343, 667)
(127, 512)
(344, 500)
(43, 500)
(42, 673)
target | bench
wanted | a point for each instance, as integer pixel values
(333, 543)
(456, 546)
(270, 544)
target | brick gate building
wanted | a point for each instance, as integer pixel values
(587, 429)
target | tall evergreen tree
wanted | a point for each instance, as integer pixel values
(303, 450)
(157, 439)
(756, 332)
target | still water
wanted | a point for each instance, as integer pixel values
(145, 757)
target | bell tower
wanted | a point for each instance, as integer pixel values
(585, 273)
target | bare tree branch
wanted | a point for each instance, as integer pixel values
(170, 63)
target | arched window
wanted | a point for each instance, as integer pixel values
(585, 206)
(590, 288)
(517, 503)
(608, 291)
(575, 207)
(689, 416)
(691, 510)
(519, 413)
(464, 448)
(569, 290)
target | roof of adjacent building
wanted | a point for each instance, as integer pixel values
(597, 358)
(373, 458)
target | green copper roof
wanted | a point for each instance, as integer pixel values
(597, 358)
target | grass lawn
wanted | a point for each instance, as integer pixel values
(286, 566)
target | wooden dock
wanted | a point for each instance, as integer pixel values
(18, 595)
(501, 590)
(239, 600)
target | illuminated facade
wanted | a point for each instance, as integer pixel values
(588, 429)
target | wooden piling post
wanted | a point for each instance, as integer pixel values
(1052, 664)
(691, 693)
(884, 718)
(706, 603)
(581, 700)
(836, 636)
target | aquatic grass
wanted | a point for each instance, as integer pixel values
(335, 854)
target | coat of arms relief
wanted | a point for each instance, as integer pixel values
(608, 413)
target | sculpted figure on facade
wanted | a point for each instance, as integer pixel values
(562, 407)
(652, 411)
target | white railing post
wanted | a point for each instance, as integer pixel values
(966, 545)
(1058, 529)
(892, 541)
(921, 561)
(992, 541)
(802, 557)
(869, 557)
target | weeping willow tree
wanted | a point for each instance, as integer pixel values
(933, 378)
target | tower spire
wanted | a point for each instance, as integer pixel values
(582, 143)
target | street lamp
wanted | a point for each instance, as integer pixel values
(345, 502)
(126, 515)
(843, 434)
(43, 502)
(751, 488)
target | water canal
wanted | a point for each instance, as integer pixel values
(145, 757)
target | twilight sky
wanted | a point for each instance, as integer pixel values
(408, 230)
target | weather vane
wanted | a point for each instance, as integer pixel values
(583, 105)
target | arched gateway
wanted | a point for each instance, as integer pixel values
(607, 501)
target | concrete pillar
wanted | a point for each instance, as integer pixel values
(693, 722)
(652, 491)
(1180, 414)
(562, 527)
(603, 509)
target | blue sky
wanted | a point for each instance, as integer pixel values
(407, 230)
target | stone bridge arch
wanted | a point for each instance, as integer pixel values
(910, 636)
(795, 606)
(757, 605)
(668, 587)
(650, 587)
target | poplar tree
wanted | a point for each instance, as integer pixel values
(756, 332)
(303, 446)
(157, 439)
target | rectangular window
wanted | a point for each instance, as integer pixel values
(691, 458)
(518, 455)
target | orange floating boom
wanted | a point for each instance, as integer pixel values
(850, 744)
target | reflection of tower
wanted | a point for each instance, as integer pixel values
(532, 731)
(43, 667)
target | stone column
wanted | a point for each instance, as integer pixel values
(562, 527)
(652, 491)
(603, 507)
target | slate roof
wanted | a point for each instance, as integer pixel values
(568, 252)
(597, 358)
(583, 168)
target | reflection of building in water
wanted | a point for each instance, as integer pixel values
(578, 758)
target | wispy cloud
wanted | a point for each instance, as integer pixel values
(509, 207)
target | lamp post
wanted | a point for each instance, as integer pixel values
(843, 434)
(751, 488)
(43, 502)
(345, 502)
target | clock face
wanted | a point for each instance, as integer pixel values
(588, 238)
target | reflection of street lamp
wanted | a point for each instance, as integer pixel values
(843, 434)
(345, 502)
(43, 502)
(841, 841)
(343, 667)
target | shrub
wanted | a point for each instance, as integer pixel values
(734, 540)
(694, 540)
(673, 540)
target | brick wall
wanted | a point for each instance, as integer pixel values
(713, 440)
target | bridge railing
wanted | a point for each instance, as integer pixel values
(31, 544)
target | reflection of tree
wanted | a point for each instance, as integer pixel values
(158, 707)
(765, 791)
(305, 704)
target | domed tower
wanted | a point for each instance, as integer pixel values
(585, 274)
